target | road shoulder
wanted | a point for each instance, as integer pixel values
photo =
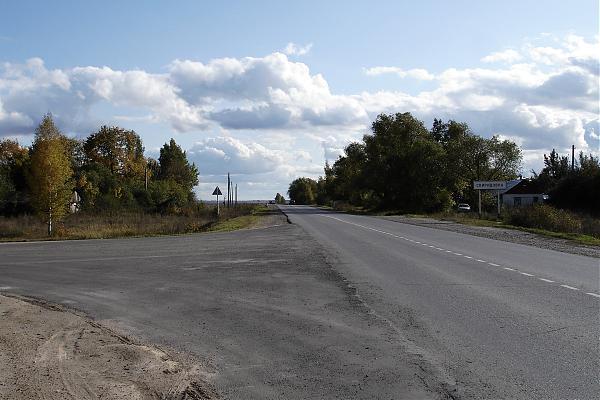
(49, 352)
(497, 233)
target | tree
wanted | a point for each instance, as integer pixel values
(50, 173)
(14, 160)
(175, 166)
(120, 150)
(279, 199)
(303, 190)
(403, 162)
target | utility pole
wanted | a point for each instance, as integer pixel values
(228, 189)
(572, 157)
(236, 195)
(146, 177)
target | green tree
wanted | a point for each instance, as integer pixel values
(303, 190)
(403, 163)
(120, 150)
(175, 166)
(50, 173)
(279, 199)
(14, 160)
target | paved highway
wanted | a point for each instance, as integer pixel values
(339, 306)
(499, 320)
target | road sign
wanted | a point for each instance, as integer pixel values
(217, 192)
(489, 185)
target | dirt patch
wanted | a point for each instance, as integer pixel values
(49, 353)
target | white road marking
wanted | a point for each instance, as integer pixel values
(448, 251)
(569, 287)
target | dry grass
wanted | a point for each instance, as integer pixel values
(119, 224)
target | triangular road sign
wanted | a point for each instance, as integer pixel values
(217, 192)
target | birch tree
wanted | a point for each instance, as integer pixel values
(50, 173)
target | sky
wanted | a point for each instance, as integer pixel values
(269, 90)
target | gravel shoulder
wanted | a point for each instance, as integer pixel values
(507, 235)
(47, 352)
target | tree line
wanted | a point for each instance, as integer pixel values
(401, 165)
(404, 166)
(107, 171)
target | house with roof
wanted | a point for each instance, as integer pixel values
(524, 193)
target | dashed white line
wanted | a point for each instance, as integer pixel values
(457, 254)
(569, 287)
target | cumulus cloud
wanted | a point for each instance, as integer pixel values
(415, 73)
(509, 56)
(292, 49)
(215, 155)
(545, 94)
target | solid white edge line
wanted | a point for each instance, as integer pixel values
(593, 294)
(526, 274)
(569, 287)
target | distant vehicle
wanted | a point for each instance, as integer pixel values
(464, 207)
(271, 201)
(291, 202)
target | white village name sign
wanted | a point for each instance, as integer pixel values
(489, 185)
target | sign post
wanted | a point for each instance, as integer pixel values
(217, 192)
(489, 185)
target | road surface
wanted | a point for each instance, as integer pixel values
(339, 306)
(502, 319)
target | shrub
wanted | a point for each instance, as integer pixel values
(543, 216)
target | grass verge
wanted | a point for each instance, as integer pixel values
(130, 224)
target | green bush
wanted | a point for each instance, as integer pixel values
(546, 217)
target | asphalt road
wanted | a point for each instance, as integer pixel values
(262, 309)
(502, 320)
(339, 306)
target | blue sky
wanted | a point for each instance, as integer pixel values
(269, 90)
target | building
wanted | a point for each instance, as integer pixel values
(524, 193)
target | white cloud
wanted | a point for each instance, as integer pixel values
(216, 155)
(508, 56)
(292, 49)
(415, 73)
(545, 95)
